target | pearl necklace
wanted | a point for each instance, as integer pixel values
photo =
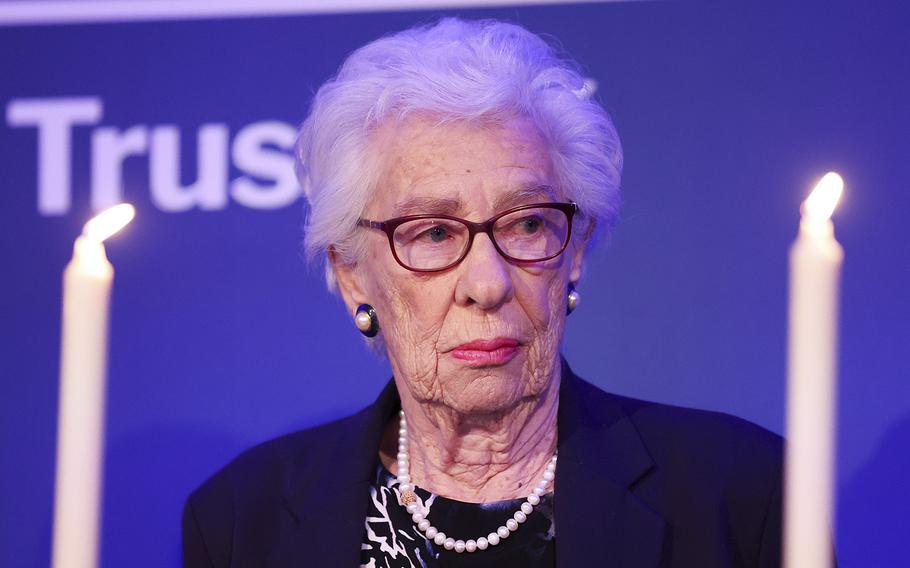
(409, 499)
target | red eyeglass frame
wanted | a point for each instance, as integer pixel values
(388, 227)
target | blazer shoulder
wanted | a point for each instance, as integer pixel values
(666, 427)
(246, 497)
(714, 469)
(706, 462)
(712, 445)
(266, 464)
(717, 437)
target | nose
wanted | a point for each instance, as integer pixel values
(485, 279)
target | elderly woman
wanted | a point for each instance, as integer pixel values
(456, 174)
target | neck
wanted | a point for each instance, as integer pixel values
(477, 457)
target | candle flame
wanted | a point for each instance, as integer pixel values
(821, 202)
(109, 221)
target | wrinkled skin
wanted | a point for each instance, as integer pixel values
(477, 433)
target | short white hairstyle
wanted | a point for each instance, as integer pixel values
(454, 70)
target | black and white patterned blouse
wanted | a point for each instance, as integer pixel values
(392, 541)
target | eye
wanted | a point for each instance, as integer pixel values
(427, 232)
(530, 225)
(437, 233)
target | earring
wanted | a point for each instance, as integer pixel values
(573, 298)
(366, 321)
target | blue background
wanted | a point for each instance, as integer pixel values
(222, 337)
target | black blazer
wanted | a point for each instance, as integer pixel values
(639, 484)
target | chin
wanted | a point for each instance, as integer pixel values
(485, 390)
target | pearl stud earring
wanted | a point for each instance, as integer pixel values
(573, 299)
(366, 321)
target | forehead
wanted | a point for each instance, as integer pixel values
(462, 167)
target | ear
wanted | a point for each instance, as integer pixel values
(349, 282)
(579, 247)
(577, 262)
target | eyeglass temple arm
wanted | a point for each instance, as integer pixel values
(371, 224)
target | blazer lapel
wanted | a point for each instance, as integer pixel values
(325, 508)
(601, 456)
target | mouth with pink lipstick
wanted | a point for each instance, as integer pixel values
(483, 352)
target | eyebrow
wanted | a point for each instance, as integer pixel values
(449, 206)
(524, 195)
(420, 205)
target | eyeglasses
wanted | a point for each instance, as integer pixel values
(433, 243)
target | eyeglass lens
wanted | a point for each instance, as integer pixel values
(527, 235)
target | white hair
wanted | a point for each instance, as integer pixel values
(456, 70)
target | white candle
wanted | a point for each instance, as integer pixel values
(815, 266)
(80, 428)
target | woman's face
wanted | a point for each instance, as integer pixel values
(428, 321)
